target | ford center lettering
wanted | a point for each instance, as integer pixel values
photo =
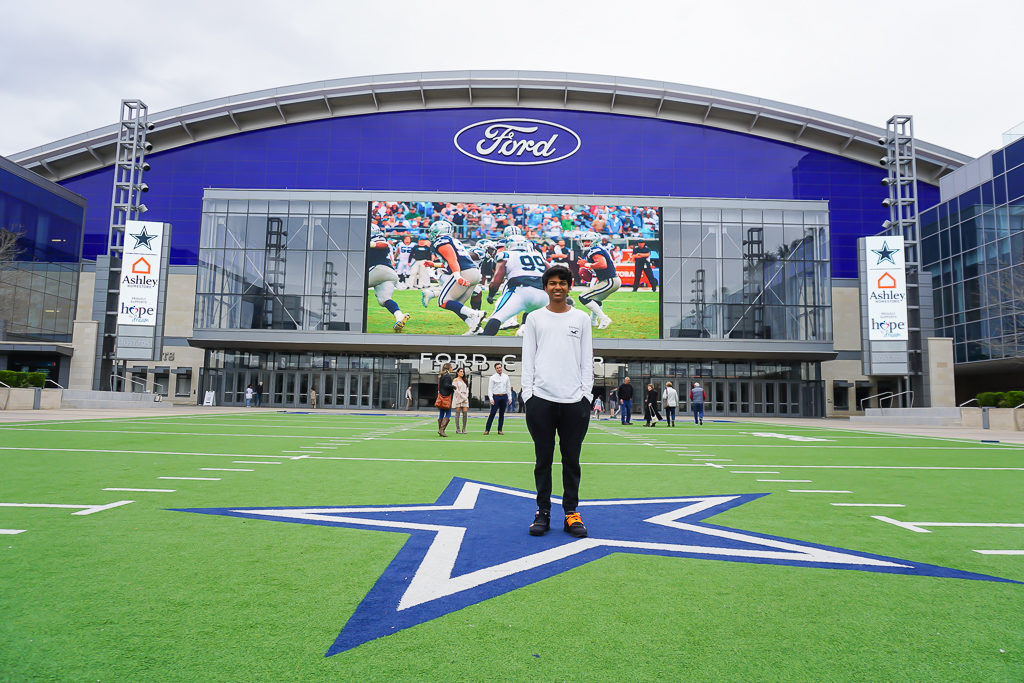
(517, 142)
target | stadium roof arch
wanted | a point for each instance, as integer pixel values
(317, 100)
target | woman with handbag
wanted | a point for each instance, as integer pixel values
(460, 402)
(444, 398)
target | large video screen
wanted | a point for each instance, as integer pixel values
(477, 272)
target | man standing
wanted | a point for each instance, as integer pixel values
(642, 265)
(259, 393)
(626, 402)
(558, 381)
(697, 399)
(408, 397)
(497, 391)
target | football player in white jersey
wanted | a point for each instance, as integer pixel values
(382, 277)
(521, 269)
(598, 260)
(465, 275)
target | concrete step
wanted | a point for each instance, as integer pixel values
(952, 412)
(80, 398)
(923, 420)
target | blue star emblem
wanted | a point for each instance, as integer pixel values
(143, 239)
(885, 254)
(472, 545)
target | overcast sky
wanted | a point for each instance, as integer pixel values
(65, 66)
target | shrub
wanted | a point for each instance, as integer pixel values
(1011, 399)
(22, 380)
(989, 399)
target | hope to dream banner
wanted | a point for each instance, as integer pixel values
(140, 273)
(887, 289)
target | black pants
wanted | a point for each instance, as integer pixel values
(670, 414)
(570, 421)
(500, 403)
(641, 266)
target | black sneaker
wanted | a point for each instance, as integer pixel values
(574, 525)
(541, 523)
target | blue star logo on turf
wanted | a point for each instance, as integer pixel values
(143, 239)
(884, 254)
(472, 545)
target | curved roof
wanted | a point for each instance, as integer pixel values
(453, 89)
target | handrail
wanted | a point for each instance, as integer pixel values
(868, 398)
(1020, 406)
(8, 399)
(53, 383)
(908, 391)
(966, 402)
(133, 381)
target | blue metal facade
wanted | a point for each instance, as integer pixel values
(414, 151)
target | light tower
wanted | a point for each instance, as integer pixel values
(126, 204)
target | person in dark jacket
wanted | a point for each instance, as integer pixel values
(445, 389)
(625, 392)
(651, 406)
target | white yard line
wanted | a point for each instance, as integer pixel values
(192, 478)
(11, 532)
(109, 450)
(82, 509)
(752, 472)
(790, 481)
(918, 527)
(868, 505)
(225, 469)
(255, 462)
(142, 490)
(999, 552)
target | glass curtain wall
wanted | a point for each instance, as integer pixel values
(973, 245)
(281, 264)
(746, 274)
(296, 380)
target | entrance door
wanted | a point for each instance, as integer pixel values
(358, 390)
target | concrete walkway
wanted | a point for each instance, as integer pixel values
(947, 432)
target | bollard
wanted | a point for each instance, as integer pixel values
(37, 398)
(984, 418)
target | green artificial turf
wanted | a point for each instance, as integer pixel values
(635, 315)
(143, 592)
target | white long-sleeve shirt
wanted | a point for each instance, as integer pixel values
(558, 356)
(670, 397)
(499, 384)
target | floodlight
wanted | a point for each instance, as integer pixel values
(142, 208)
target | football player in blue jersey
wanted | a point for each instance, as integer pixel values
(465, 275)
(522, 270)
(381, 275)
(597, 259)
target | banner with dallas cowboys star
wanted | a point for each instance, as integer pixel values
(886, 289)
(139, 293)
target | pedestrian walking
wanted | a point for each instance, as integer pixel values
(697, 401)
(408, 397)
(443, 402)
(248, 396)
(651, 407)
(670, 399)
(626, 399)
(460, 400)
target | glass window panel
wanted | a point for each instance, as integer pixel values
(238, 206)
(234, 237)
(298, 207)
(338, 233)
(298, 232)
(256, 231)
(320, 237)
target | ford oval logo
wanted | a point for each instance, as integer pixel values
(517, 142)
